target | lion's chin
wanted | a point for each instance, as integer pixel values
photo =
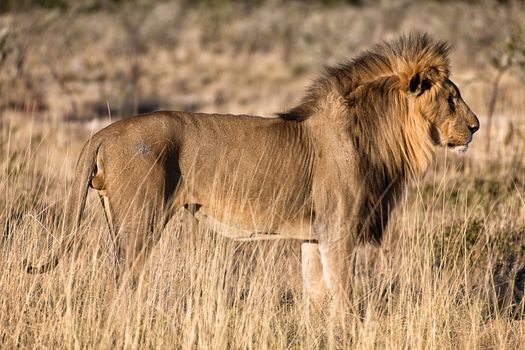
(460, 149)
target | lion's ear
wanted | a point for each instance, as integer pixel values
(423, 81)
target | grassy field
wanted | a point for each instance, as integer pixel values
(449, 275)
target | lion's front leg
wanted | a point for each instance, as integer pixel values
(314, 285)
(333, 226)
(335, 258)
(336, 247)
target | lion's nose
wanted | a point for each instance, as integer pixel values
(474, 126)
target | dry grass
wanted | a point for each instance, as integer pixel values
(450, 274)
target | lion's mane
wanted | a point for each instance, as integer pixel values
(391, 142)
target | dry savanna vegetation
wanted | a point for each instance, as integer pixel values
(450, 273)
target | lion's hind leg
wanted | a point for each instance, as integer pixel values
(115, 248)
(137, 213)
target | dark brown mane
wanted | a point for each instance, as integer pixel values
(403, 57)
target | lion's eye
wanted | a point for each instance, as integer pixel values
(451, 104)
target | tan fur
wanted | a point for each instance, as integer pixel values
(328, 172)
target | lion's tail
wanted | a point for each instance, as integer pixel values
(86, 165)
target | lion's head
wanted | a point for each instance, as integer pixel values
(407, 78)
(438, 100)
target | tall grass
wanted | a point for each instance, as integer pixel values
(450, 273)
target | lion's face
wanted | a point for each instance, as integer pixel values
(452, 122)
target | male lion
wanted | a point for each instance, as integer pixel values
(328, 172)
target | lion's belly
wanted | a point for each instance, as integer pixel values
(241, 226)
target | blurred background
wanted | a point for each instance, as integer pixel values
(88, 61)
